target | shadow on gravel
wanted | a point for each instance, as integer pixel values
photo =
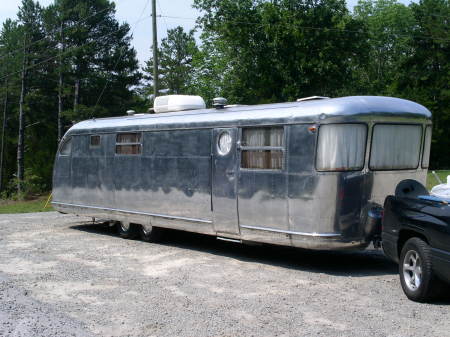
(339, 263)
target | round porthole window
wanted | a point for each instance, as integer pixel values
(224, 143)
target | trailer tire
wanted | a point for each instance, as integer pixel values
(127, 230)
(417, 278)
(150, 233)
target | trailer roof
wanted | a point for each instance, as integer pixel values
(323, 111)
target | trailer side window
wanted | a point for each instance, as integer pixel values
(262, 148)
(128, 143)
(395, 147)
(66, 148)
(426, 148)
(94, 141)
(341, 147)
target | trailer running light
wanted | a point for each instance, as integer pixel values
(312, 129)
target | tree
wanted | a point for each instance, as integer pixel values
(30, 19)
(51, 58)
(424, 77)
(282, 50)
(9, 43)
(98, 59)
(390, 25)
(176, 56)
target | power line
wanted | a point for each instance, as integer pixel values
(423, 37)
(121, 53)
(54, 31)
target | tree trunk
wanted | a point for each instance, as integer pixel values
(2, 147)
(60, 86)
(76, 98)
(21, 140)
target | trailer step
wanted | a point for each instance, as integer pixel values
(228, 239)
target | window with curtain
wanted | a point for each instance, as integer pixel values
(128, 143)
(395, 147)
(426, 148)
(262, 148)
(95, 141)
(66, 148)
(341, 147)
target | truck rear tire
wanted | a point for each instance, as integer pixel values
(417, 278)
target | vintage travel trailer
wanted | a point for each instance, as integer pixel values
(311, 173)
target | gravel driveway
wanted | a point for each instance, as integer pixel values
(62, 276)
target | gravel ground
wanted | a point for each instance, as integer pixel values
(61, 276)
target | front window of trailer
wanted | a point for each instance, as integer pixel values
(341, 147)
(395, 147)
(66, 147)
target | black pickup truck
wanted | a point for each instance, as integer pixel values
(416, 234)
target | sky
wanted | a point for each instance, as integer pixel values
(136, 13)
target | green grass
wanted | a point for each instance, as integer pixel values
(432, 181)
(25, 206)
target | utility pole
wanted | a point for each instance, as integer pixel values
(155, 51)
(60, 82)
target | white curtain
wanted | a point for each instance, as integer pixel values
(395, 147)
(341, 147)
(128, 138)
(262, 138)
(272, 136)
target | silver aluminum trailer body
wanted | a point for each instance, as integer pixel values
(172, 173)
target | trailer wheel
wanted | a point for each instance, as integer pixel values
(127, 230)
(150, 233)
(417, 278)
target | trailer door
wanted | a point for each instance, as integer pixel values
(224, 181)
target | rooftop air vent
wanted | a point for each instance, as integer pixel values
(219, 102)
(311, 98)
(177, 103)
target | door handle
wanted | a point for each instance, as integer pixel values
(229, 173)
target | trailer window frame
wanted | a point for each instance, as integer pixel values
(96, 144)
(396, 124)
(260, 148)
(359, 168)
(133, 144)
(66, 142)
(426, 164)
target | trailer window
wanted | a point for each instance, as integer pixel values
(66, 148)
(395, 147)
(426, 148)
(95, 141)
(341, 147)
(128, 143)
(262, 148)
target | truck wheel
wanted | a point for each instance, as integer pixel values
(126, 230)
(150, 233)
(416, 273)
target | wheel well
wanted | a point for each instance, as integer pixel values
(405, 235)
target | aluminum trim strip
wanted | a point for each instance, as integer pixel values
(291, 232)
(133, 212)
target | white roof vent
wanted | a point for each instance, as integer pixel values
(178, 103)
